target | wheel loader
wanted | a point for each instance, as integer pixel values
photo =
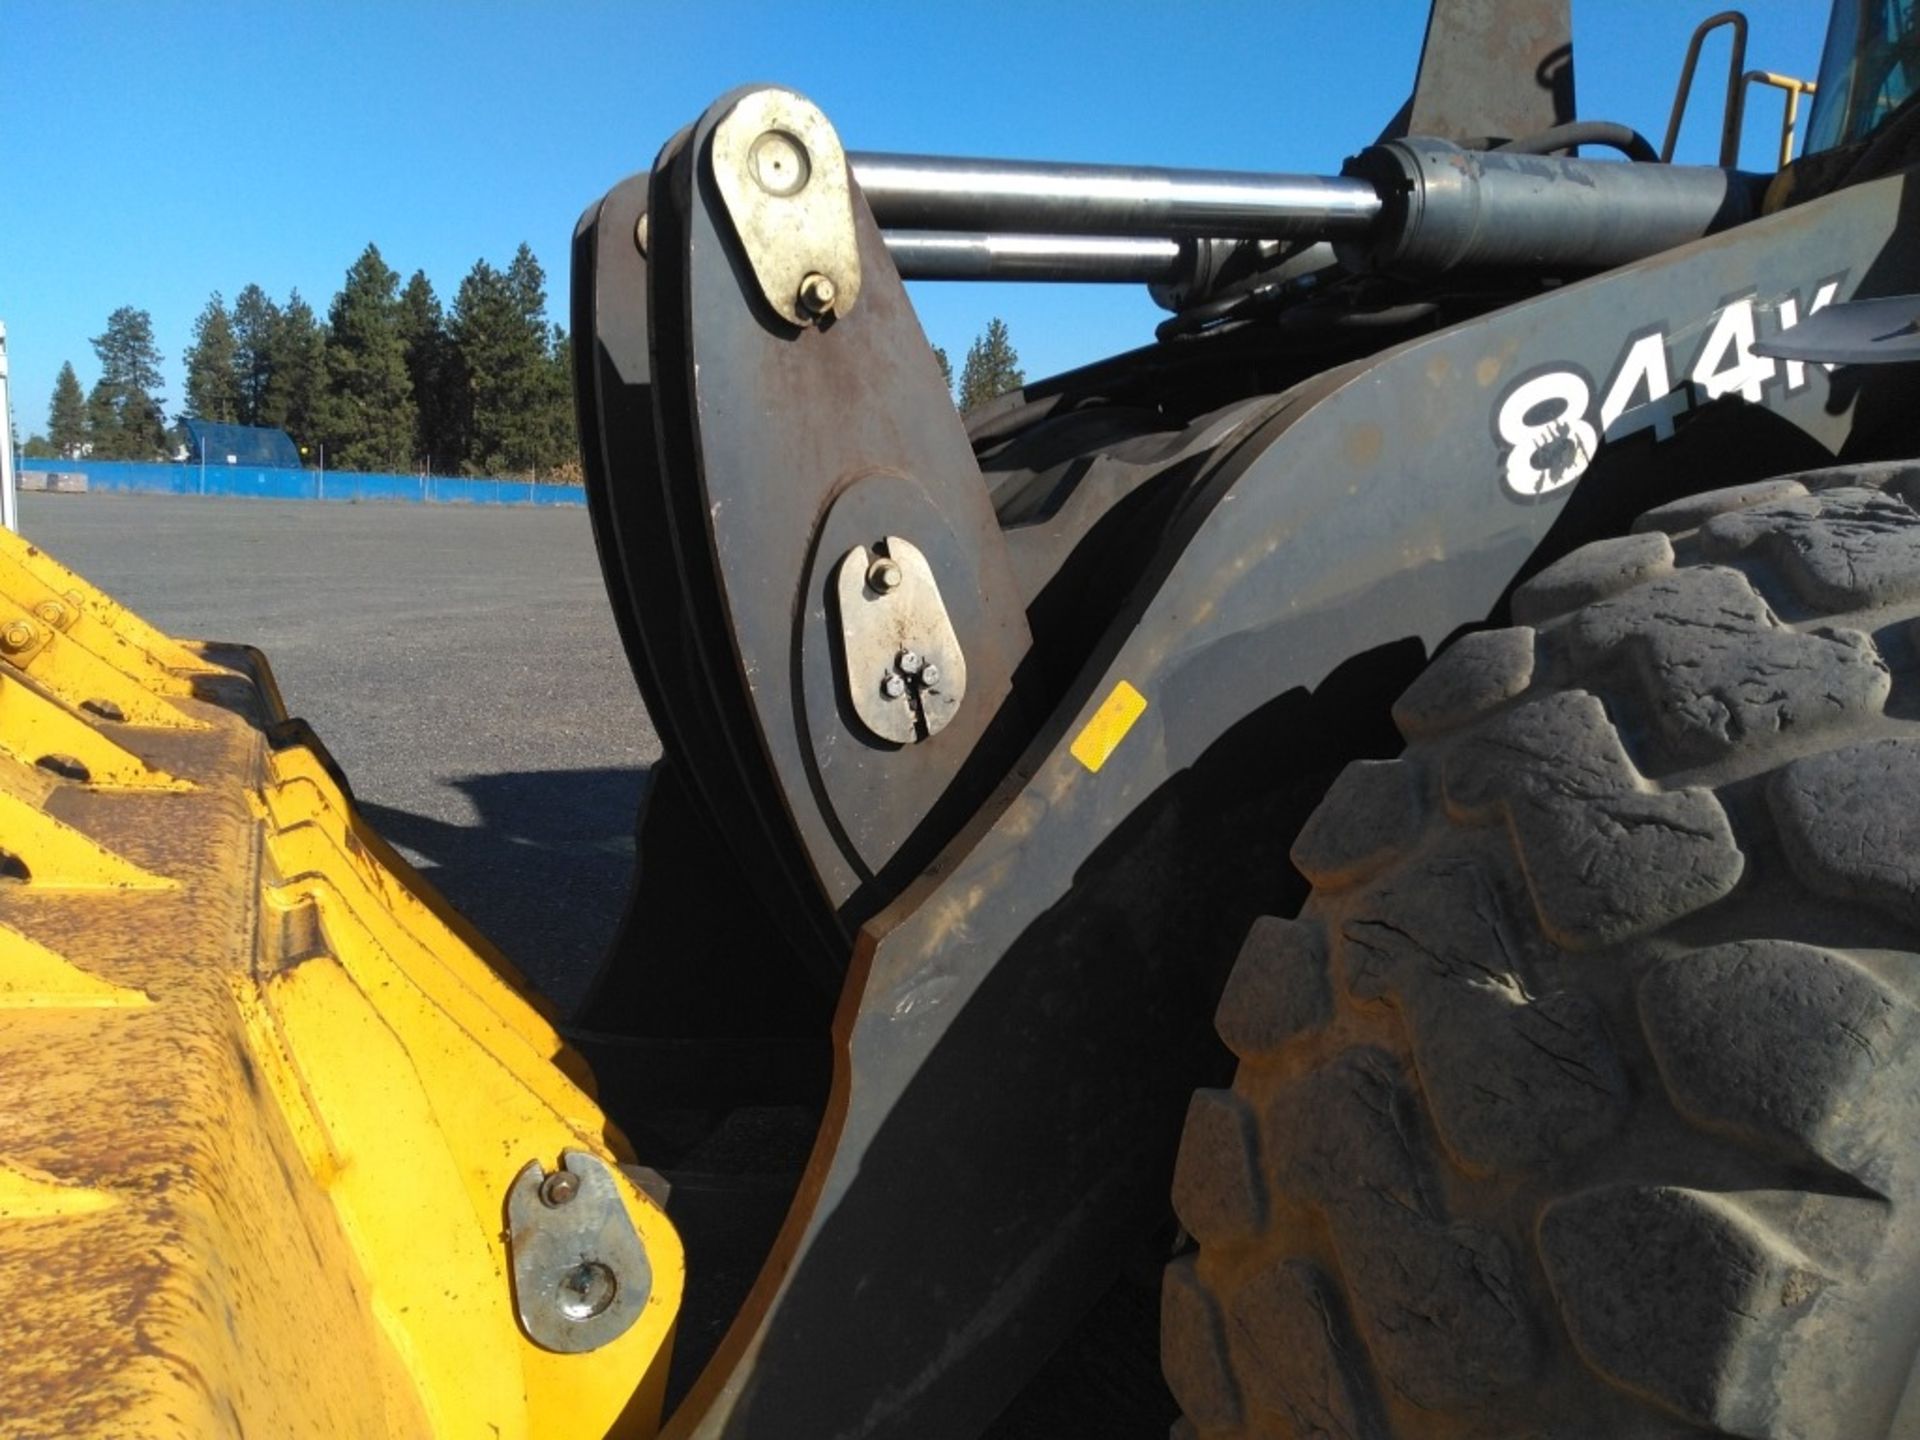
(1385, 822)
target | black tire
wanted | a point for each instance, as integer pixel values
(1582, 1099)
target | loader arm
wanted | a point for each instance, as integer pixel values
(1027, 994)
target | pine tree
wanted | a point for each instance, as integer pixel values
(367, 416)
(550, 429)
(946, 367)
(67, 415)
(124, 419)
(423, 328)
(213, 384)
(563, 458)
(255, 317)
(992, 367)
(296, 372)
(505, 374)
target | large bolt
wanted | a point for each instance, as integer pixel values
(559, 1188)
(51, 611)
(586, 1290)
(640, 230)
(17, 636)
(909, 662)
(930, 675)
(884, 575)
(893, 687)
(816, 294)
(779, 163)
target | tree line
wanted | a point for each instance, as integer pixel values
(992, 367)
(389, 380)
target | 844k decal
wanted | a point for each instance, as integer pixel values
(1549, 428)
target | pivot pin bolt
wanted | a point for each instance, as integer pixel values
(17, 636)
(816, 294)
(909, 662)
(779, 163)
(559, 1188)
(930, 675)
(883, 575)
(893, 687)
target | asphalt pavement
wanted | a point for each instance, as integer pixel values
(459, 661)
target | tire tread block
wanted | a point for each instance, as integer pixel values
(1514, 1082)
(1850, 823)
(1593, 572)
(1851, 547)
(1605, 858)
(1709, 667)
(1683, 1296)
(1475, 674)
(1439, 1301)
(1783, 1043)
(1278, 989)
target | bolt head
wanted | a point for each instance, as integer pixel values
(559, 1188)
(884, 575)
(817, 294)
(640, 233)
(50, 611)
(893, 687)
(779, 164)
(586, 1290)
(909, 662)
(17, 636)
(930, 675)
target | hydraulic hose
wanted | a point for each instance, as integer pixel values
(1624, 138)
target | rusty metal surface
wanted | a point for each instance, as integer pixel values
(1500, 69)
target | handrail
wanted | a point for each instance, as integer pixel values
(1736, 91)
(1790, 117)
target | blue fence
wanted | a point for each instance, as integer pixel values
(128, 477)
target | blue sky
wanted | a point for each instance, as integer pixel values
(157, 152)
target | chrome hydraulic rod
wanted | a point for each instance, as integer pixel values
(975, 255)
(1412, 207)
(927, 192)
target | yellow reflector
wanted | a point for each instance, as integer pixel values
(1101, 735)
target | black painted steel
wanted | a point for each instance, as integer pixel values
(645, 528)
(1021, 1027)
(782, 430)
(1452, 209)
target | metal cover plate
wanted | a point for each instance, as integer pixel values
(783, 179)
(906, 674)
(580, 1273)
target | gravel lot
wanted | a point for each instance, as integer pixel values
(460, 662)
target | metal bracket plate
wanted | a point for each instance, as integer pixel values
(782, 176)
(905, 670)
(580, 1274)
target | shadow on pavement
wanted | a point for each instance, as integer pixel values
(543, 872)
